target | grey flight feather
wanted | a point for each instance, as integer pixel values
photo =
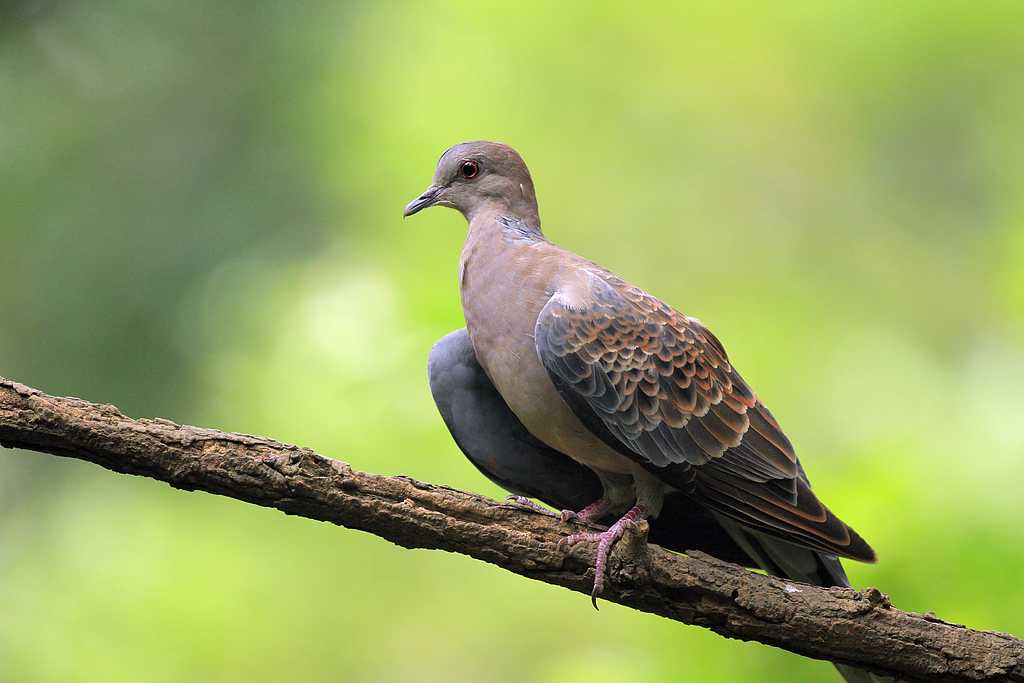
(493, 439)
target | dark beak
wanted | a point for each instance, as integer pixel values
(428, 198)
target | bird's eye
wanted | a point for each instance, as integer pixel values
(469, 169)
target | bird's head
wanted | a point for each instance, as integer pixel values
(475, 176)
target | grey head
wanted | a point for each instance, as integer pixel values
(474, 177)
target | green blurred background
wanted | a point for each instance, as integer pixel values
(200, 218)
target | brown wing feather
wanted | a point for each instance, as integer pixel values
(657, 378)
(663, 386)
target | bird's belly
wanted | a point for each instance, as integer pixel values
(517, 373)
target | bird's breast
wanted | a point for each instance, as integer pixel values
(504, 287)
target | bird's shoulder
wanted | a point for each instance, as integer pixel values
(627, 314)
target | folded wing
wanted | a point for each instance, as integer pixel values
(658, 386)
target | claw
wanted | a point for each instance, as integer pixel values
(524, 502)
(605, 540)
(588, 515)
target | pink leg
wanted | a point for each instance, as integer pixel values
(605, 540)
(588, 515)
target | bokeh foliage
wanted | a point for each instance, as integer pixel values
(200, 219)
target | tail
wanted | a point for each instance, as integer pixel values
(779, 558)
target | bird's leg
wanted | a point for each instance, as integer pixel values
(649, 498)
(617, 494)
(605, 540)
(590, 514)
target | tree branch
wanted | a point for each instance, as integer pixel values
(840, 625)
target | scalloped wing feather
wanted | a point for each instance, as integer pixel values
(661, 384)
(660, 381)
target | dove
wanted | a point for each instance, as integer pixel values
(570, 384)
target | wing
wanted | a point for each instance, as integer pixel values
(658, 386)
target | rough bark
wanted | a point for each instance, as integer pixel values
(841, 625)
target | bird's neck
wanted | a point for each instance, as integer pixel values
(522, 209)
(494, 234)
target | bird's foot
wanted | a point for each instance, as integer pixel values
(588, 515)
(524, 502)
(605, 540)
